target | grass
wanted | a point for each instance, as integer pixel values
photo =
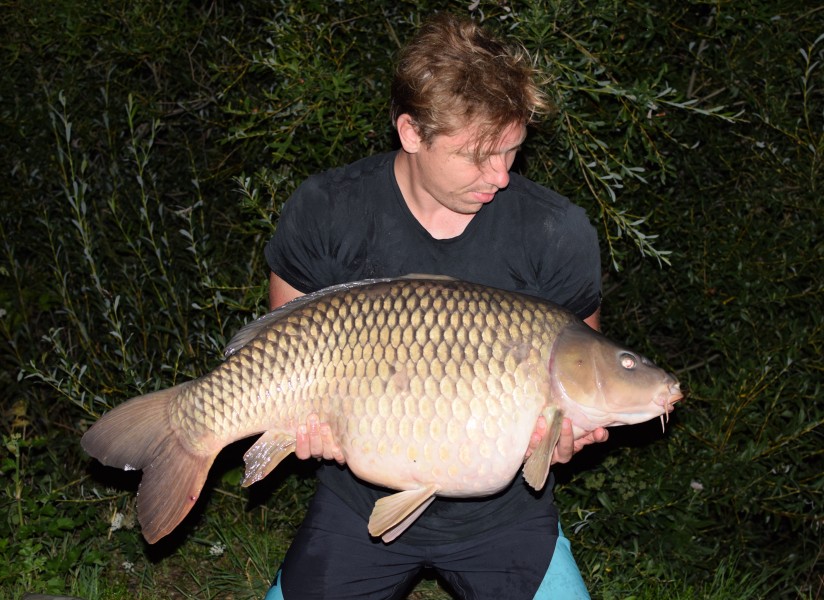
(231, 546)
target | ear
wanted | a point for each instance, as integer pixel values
(408, 133)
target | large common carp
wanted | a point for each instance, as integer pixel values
(431, 387)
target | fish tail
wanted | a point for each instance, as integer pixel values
(138, 434)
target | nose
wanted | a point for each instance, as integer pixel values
(496, 171)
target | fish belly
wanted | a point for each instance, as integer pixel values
(464, 454)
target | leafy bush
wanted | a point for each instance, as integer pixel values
(149, 149)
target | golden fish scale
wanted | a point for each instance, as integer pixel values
(419, 382)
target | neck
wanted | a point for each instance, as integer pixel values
(439, 221)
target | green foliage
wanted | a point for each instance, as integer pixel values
(740, 473)
(42, 510)
(148, 149)
(613, 135)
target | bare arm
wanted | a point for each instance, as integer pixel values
(314, 439)
(594, 320)
(280, 292)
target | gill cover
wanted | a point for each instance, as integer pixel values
(599, 383)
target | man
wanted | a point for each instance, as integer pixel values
(445, 203)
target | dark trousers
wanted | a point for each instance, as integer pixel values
(333, 557)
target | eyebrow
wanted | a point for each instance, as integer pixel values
(471, 153)
(517, 147)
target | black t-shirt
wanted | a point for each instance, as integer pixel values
(352, 223)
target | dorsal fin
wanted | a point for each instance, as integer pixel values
(251, 330)
(414, 276)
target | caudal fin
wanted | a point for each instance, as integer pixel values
(138, 435)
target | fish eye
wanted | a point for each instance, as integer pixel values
(627, 361)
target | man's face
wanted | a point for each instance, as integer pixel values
(448, 172)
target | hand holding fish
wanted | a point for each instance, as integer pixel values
(315, 440)
(593, 437)
(567, 446)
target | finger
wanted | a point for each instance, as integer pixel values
(302, 443)
(595, 436)
(534, 440)
(331, 451)
(565, 447)
(537, 436)
(315, 438)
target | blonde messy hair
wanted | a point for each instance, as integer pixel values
(454, 73)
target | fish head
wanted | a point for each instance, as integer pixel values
(599, 383)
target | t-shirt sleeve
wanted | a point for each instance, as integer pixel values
(299, 251)
(574, 278)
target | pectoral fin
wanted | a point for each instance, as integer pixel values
(393, 514)
(266, 454)
(536, 469)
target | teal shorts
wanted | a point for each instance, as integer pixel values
(333, 556)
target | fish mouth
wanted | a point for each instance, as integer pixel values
(667, 401)
(668, 398)
(659, 405)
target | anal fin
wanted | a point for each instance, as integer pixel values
(393, 514)
(536, 469)
(266, 454)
